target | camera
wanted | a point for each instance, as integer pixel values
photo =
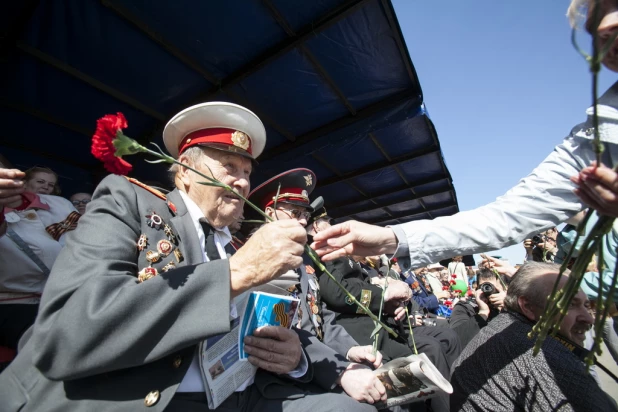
(425, 321)
(488, 289)
(536, 239)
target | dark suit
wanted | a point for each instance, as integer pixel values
(103, 341)
(441, 345)
(329, 355)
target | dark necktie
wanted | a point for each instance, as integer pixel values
(211, 246)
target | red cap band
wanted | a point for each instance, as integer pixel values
(220, 136)
(288, 193)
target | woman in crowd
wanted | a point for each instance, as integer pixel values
(33, 225)
(42, 181)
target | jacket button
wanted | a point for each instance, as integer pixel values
(152, 398)
(177, 362)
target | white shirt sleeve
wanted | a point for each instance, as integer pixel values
(539, 201)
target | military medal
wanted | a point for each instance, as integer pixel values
(146, 274)
(154, 220)
(31, 216)
(152, 256)
(169, 266)
(142, 242)
(164, 247)
(167, 229)
(178, 255)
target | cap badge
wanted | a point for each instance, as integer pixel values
(240, 139)
(308, 180)
(304, 194)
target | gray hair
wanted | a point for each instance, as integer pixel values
(193, 154)
(524, 283)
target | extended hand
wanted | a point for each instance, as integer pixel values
(354, 238)
(273, 250)
(501, 266)
(598, 188)
(397, 290)
(361, 384)
(274, 348)
(11, 187)
(364, 355)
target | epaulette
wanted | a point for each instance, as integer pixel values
(152, 190)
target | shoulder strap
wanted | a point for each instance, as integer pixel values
(144, 186)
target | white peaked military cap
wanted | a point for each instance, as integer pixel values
(220, 125)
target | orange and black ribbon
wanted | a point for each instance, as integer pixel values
(58, 229)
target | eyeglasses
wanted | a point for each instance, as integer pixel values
(296, 213)
(78, 202)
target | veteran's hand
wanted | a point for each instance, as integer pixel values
(397, 290)
(354, 238)
(361, 384)
(11, 187)
(274, 348)
(598, 188)
(273, 250)
(365, 356)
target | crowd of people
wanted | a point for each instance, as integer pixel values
(108, 300)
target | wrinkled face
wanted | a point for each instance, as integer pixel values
(608, 26)
(578, 319)
(41, 183)
(285, 211)
(220, 207)
(80, 200)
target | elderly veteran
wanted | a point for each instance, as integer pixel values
(497, 370)
(335, 353)
(146, 278)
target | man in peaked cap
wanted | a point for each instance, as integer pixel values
(339, 360)
(146, 278)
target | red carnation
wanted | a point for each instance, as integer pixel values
(458, 291)
(108, 128)
(453, 282)
(454, 276)
(445, 288)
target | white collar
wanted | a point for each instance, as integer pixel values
(196, 214)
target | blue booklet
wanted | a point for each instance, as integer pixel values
(266, 309)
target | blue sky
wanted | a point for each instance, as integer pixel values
(502, 84)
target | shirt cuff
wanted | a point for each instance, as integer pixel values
(301, 369)
(402, 242)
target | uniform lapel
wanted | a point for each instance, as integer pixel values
(188, 242)
(304, 286)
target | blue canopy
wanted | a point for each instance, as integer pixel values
(331, 79)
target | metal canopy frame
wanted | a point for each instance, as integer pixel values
(295, 40)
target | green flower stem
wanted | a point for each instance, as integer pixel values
(369, 313)
(377, 335)
(214, 182)
(411, 333)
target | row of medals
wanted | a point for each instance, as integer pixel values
(164, 248)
